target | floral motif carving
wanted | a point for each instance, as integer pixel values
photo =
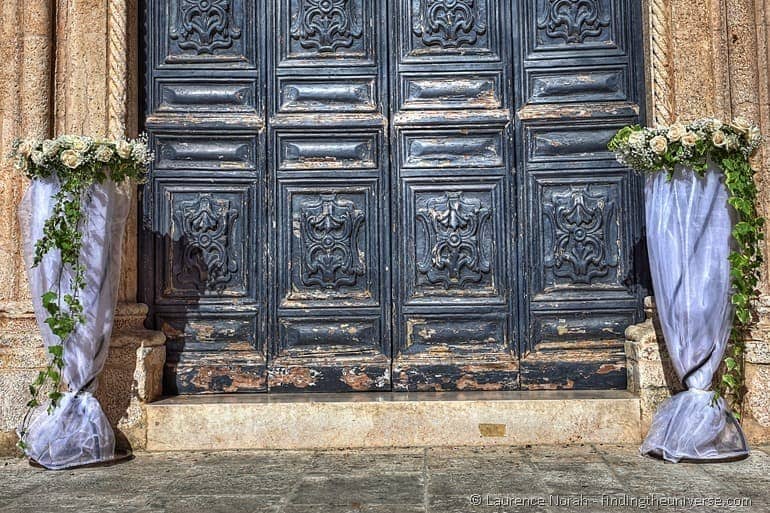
(573, 20)
(455, 227)
(206, 231)
(203, 25)
(581, 231)
(448, 23)
(330, 253)
(326, 25)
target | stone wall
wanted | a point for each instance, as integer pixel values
(70, 66)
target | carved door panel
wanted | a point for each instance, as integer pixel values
(454, 256)
(204, 223)
(329, 327)
(355, 195)
(581, 226)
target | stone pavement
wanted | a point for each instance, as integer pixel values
(538, 479)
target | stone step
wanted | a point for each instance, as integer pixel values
(367, 420)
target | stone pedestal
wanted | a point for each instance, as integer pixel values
(132, 375)
(650, 372)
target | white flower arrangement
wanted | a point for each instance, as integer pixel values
(69, 153)
(690, 145)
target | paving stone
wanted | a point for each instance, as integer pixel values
(214, 504)
(225, 480)
(45, 502)
(463, 458)
(440, 480)
(381, 488)
(350, 462)
(355, 508)
(484, 481)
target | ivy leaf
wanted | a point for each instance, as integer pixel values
(730, 381)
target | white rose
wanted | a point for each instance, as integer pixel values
(104, 153)
(676, 131)
(715, 124)
(658, 144)
(124, 149)
(719, 139)
(80, 144)
(690, 139)
(70, 158)
(636, 139)
(741, 125)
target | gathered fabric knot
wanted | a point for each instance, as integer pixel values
(700, 390)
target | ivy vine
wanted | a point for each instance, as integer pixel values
(77, 163)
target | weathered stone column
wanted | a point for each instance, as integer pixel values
(25, 109)
(749, 32)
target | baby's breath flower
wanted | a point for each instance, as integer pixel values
(50, 148)
(38, 158)
(25, 148)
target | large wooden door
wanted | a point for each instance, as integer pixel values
(354, 195)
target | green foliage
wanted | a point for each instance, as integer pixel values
(730, 146)
(77, 163)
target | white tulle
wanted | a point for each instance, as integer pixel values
(689, 225)
(77, 432)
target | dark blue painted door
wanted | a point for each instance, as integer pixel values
(406, 194)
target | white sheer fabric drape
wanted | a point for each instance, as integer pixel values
(689, 225)
(77, 432)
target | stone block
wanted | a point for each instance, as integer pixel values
(758, 351)
(325, 421)
(649, 365)
(650, 400)
(756, 406)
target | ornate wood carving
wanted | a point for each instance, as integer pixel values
(331, 256)
(455, 227)
(206, 227)
(203, 25)
(573, 20)
(580, 220)
(449, 23)
(326, 25)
